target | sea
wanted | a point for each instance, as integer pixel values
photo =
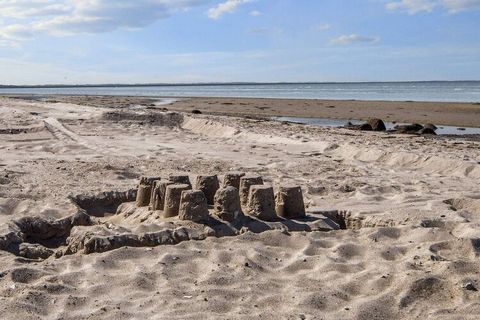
(437, 91)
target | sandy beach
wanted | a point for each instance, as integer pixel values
(440, 113)
(392, 228)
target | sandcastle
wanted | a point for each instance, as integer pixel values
(170, 210)
(236, 196)
(144, 192)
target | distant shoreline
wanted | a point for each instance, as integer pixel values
(199, 84)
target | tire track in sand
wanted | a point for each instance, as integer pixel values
(60, 132)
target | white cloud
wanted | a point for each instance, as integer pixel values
(353, 38)
(33, 8)
(412, 6)
(461, 5)
(16, 32)
(255, 13)
(10, 35)
(66, 17)
(264, 30)
(322, 27)
(416, 6)
(228, 6)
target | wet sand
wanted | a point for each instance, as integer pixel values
(439, 113)
(455, 114)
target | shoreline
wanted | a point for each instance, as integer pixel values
(33, 95)
(458, 114)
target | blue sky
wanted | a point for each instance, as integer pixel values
(144, 41)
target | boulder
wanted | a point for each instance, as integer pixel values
(359, 127)
(427, 131)
(430, 126)
(377, 124)
(408, 128)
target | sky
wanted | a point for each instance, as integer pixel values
(184, 41)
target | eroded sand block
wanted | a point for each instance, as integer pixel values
(209, 186)
(143, 195)
(101, 238)
(193, 206)
(245, 184)
(145, 191)
(232, 179)
(180, 179)
(34, 251)
(289, 202)
(104, 203)
(149, 180)
(157, 201)
(261, 203)
(152, 194)
(227, 204)
(173, 196)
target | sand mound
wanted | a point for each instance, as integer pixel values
(167, 119)
(20, 130)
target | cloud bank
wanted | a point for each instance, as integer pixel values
(67, 17)
(417, 6)
(353, 38)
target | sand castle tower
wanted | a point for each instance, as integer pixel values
(245, 183)
(289, 202)
(239, 195)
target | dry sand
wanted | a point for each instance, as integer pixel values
(410, 204)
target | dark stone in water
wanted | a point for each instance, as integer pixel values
(359, 127)
(377, 124)
(427, 131)
(408, 128)
(430, 126)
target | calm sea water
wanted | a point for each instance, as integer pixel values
(457, 91)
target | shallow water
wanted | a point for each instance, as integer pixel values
(336, 123)
(455, 91)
